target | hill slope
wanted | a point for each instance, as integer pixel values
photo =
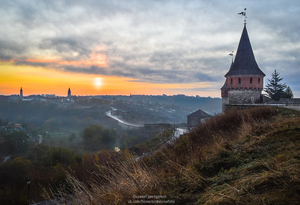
(241, 157)
(261, 167)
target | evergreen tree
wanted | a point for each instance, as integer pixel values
(288, 93)
(274, 88)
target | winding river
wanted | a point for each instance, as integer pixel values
(108, 113)
(177, 133)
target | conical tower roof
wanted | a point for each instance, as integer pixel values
(244, 62)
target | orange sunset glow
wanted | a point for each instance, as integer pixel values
(37, 80)
(96, 59)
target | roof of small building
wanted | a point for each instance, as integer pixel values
(199, 113)
(244, 62)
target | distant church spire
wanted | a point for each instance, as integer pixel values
(69, 93)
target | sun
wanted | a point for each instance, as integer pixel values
(97, 82)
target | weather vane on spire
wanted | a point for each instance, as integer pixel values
(244, 14)
(231, 54)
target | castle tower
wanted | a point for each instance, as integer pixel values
(244, 80)
(69, 93)
(21, 92)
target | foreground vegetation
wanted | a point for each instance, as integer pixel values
(47, 167)
(241, 157)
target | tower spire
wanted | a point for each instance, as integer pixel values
(21, 92)
(69, 92)
(244, 62)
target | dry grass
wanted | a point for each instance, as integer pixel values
(268, 172)
(241, 157)
(120, 185)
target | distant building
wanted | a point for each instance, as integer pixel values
(54, 99)
(69, 93)
(14, 97)
(196, 118)
(4, 98)
(11, 126)
(244, 80)
(21, 92)
(27, 100)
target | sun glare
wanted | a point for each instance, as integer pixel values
(98, 82)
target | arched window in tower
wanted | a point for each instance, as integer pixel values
(258, 80)
(231, 81)
(250, 80)
(239, 80)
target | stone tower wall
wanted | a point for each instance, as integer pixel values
(244, 96)
(225, 101)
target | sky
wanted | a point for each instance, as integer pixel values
(118, 47)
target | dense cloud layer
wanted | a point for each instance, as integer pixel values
(157, 41)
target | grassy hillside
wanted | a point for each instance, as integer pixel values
(241, 157)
